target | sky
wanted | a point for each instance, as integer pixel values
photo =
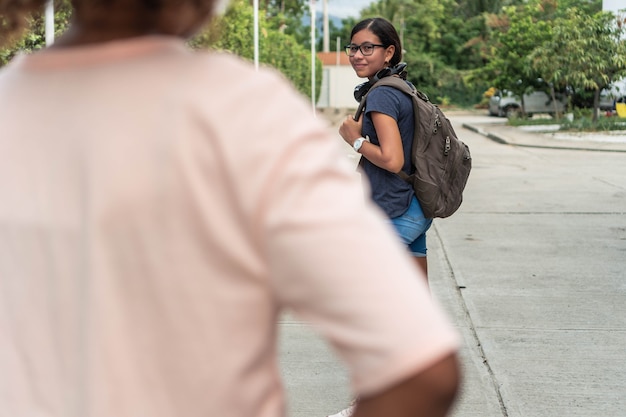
(342, 8)
(612, 5)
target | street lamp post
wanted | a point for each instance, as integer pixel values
(49, 18)
(312, 7)
(256, 34)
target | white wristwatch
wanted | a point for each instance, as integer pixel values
(358, 143)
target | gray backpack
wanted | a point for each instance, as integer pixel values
(441, 161)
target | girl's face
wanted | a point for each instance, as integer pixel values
(366, 66)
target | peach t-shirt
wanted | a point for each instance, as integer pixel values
(159, 209)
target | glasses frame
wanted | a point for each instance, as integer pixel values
(348, 48)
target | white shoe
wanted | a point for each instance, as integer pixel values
(344, 413)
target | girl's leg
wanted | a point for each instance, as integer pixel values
(411, 227)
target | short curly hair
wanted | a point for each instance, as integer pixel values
(15, 15)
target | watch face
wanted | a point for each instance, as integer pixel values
(358, 143)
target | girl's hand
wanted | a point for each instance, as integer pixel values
(350, 129)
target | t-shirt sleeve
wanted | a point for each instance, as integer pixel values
(385, 100)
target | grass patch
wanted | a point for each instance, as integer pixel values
(520, 121)
(582, 123)
(604, 124)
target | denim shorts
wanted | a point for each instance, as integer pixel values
(411, 227)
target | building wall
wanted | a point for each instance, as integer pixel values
(338, 82)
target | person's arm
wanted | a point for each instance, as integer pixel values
(429, 393)
(389, 154)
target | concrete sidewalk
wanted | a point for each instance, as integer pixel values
(531, 273)
(544, 136)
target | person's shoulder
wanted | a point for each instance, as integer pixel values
(387, 94)
(232, 80)
(228, 66)
(387, 90)
(221, 83)
(222, 60)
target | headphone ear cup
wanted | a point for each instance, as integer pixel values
(361, 89)
(380, 74)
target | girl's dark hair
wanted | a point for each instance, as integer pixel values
(386, 33)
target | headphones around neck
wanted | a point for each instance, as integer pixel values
(362, 89)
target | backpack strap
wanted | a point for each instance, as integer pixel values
(399, 84)
(394, 81)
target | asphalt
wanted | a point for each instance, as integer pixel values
(532, 272)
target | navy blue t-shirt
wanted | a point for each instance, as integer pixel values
(389, 191)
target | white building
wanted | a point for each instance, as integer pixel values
(338, 81)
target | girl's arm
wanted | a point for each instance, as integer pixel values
(389, 155)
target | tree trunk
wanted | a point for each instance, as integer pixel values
(596, 106)
(557, 114)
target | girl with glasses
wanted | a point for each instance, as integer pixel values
(384, 134)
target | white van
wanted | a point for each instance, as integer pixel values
(505, 103)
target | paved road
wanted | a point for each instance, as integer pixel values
(532, 270)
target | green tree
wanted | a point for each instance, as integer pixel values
(285, 16)
(277, 48)
(587, 7)
(455, 49)
(516, 34)
(35, 38)
(435, 42)
(587, 52)
(473, 8)
(234, 32)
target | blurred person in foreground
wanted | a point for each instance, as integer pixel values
(161, 208)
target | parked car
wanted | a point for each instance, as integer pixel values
(505, 103)
(615, 93)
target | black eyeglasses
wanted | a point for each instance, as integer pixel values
(366, 49)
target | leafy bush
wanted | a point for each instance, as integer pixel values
(276, 49)
(582, 122)
(35, 38)
(586, 124)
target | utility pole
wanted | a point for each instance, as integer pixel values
(326, 47)
(312, 11)
(49, 19)
(255, 35)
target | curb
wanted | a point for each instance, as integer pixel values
(491, 136)
(502, 141)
